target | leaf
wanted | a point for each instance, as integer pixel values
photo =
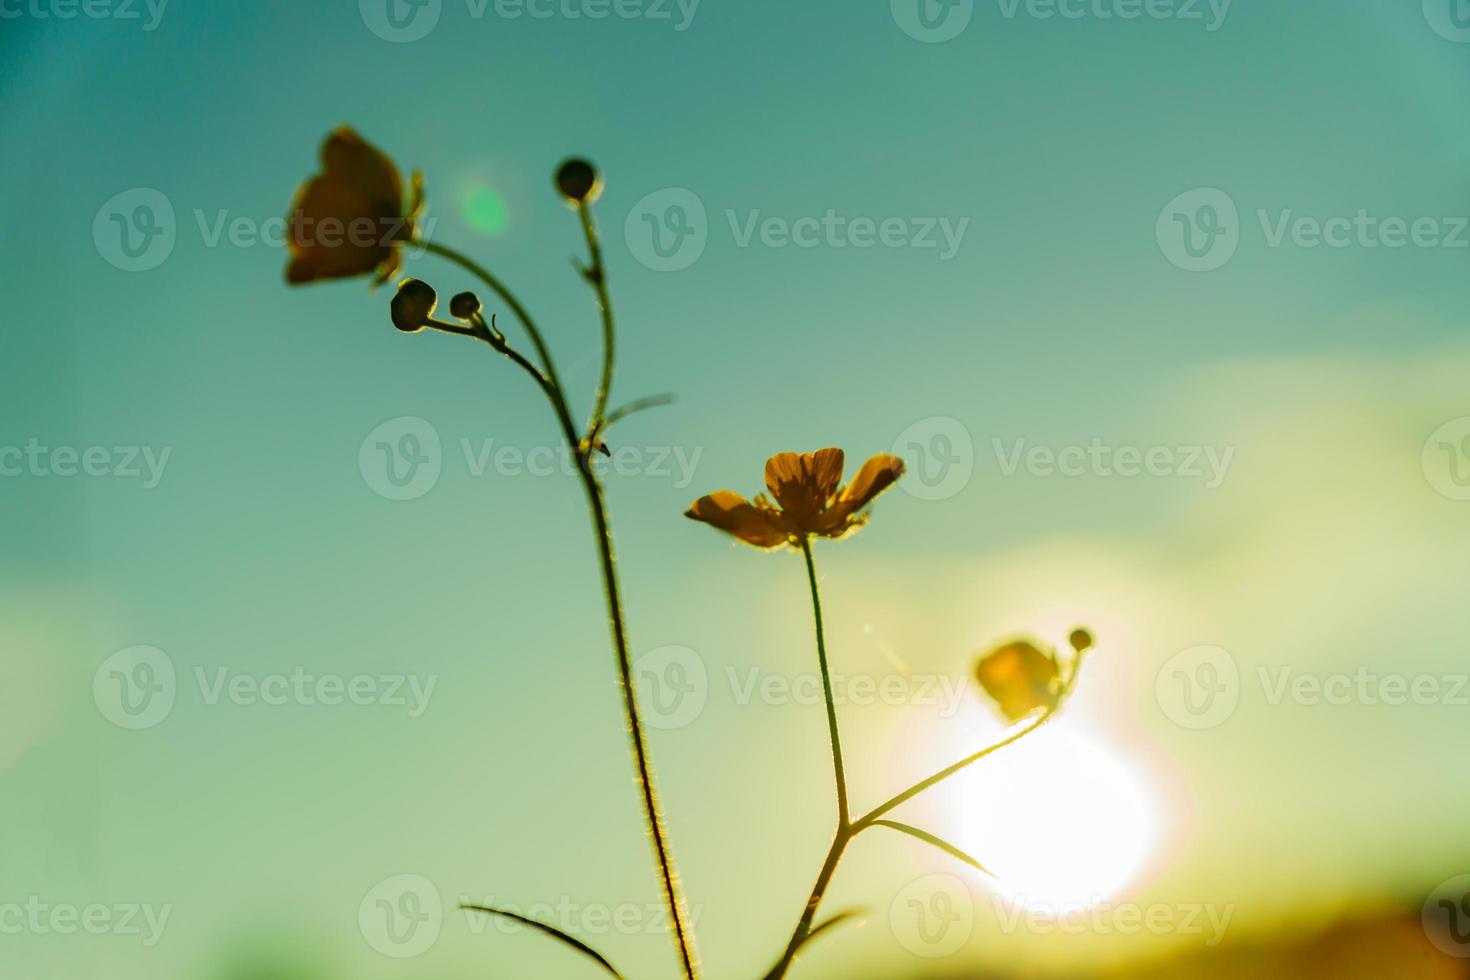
(551, 931)
(929, 838)
(652, 401)
(817, 930)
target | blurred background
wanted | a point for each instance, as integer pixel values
(1164, 302)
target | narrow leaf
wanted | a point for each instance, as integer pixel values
(817, 930)
(551, 931)
(652, 401)
(929, 838)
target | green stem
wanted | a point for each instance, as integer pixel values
(597, 274)
(837, 769)
(551, 386)
(684, 936)
(521, 314)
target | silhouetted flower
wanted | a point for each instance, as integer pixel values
(1020, 678)
(351, 219)
(807, 499)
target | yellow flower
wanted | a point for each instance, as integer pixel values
(352, 218)
(808, 499)
(1020, 678)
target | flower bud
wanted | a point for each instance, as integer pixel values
(465, 306)
(1080, 639)
(414, 305)
(579, 182)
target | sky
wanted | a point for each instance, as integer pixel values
(1165, 311)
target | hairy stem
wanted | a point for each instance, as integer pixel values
(551, 386)
(683, 935)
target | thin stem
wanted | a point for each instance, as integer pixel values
(683, 934)
(837, 769)
(597, 275)
(871, 817)
(500, 289)
(551, 386)
(809, 912)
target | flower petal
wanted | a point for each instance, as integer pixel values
(347, 220)
(877, 475)
(352, 160)
(803, 484)
(733, 514)
(1020, 678)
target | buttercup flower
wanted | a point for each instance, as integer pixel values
(1020, 679)
(351, 219)
(808, 499)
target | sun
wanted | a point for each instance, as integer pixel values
(1061, 818)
